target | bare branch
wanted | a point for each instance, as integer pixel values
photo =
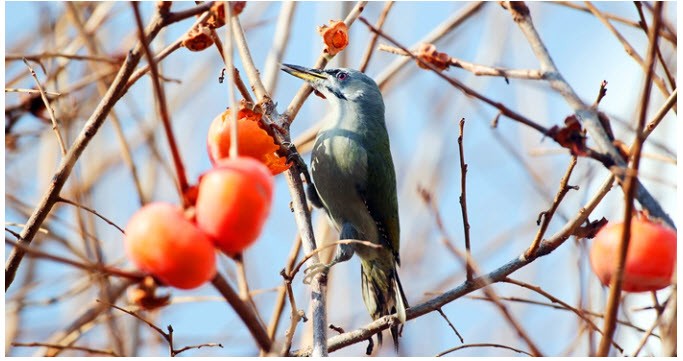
(481, 345)
(548, 215)
(90, 128)
(435, 35)
(244, 311)
(38, 57)
(280, 43)
(50, 111)
(97, 267)
(476, 69)
(629, 188)
(373, 40)
(160, 95)
(521, 15)
(282, 290)
(563, 304)
(463, 200)
(547, 247)
(64, 200)
(65, 347)
(627, 47)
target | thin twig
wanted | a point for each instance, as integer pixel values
(482, 345)
(296, 316)
(64, 200)
(476, 69)
(244, 311)
(228, 58)
(160, 95)
(200, 9)
(627, 47)
(249, 67)
(548, 215)
(30, 91)
(443, 315)
(576, 6)
(373, 39)
(282, 290)
(463, 200)
(174, 17)
(93, 47)
(560, 307)
(601, 94)
(244, 91)
(563, 304)
(643, 23)
(629, 188)
(66, 347)
(50, 111)
(465, 89)
(38, 57)
(84, 266)
(167, 336)
(280, 42)
(208, 344)
(435, 35)
(668, 104)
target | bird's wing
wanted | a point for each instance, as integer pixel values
(380, 194)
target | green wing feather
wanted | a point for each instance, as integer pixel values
(380, 195)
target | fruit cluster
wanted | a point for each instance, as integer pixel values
(230, 206)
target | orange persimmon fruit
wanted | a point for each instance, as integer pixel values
(160, 240)
(252, 140)
(233, 202)
(650, 257)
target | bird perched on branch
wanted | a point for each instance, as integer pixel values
(354, 180)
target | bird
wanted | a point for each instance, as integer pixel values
(355, 182)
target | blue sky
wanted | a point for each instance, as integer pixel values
(422, 114)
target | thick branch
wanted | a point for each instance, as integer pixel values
(244, 311)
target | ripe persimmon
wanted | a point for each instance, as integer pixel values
(160, 240)
(650, 257)
(233, 202)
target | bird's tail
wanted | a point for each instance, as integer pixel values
(383, 294)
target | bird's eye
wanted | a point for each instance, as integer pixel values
(341, 76)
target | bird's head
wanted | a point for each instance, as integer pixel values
(339, 85)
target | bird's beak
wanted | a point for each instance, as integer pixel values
(307, 74)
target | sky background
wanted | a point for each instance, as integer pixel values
(422, 113)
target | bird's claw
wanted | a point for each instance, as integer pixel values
(314, 270)
(293, 156)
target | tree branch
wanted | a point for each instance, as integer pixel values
(521, 15)
(91, 127)
(629, 187)
(547, 247)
